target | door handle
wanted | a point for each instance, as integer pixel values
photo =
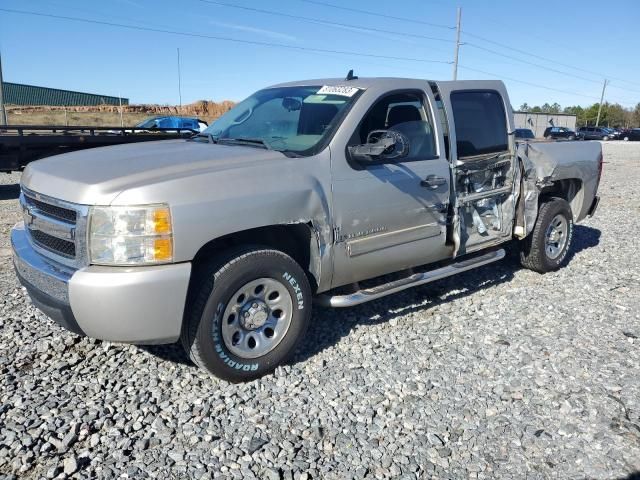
(433, 182)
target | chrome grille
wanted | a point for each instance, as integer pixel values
(59, 213)
(54, 244)
(57, 229)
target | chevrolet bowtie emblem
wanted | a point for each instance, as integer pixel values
(28, 217)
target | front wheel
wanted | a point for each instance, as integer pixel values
(605, 138)
(546, 247)
(626, 139)
(248, 314)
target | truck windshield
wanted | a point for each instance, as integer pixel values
(290, 119)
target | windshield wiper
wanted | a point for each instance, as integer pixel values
(258, 142)
(210, 138)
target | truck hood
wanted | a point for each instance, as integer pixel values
(96, 176)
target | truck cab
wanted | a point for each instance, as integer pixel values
(331, 191)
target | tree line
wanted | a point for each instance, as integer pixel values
(613, 114)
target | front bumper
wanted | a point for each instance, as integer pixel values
(120, 304)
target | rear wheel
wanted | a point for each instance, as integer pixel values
(605, 138)
(546, 247)
(248, 314)
(626, 139)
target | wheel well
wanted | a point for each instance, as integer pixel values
(296, 240)
(569, 189)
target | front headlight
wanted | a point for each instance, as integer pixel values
(136, 235)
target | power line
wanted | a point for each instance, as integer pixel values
(411, 20)
(473, 45)
(527, 83)
(376, 14)
(217, 37)
(517, 59)
(325, 22)
(546, 59)
(537, 85)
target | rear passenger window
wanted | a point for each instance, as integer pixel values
(480, 122)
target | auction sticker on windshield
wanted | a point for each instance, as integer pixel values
(337, 90)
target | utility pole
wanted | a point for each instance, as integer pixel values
(120, 108)
(455, 58)
(601, 99)
(3, 112)
(179, 81)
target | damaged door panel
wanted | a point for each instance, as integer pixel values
(484, 201)
(481, 155)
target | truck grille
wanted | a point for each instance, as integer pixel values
(59, 213)
(55, 227)
(54, 244)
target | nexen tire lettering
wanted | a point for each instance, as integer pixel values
(296, 288)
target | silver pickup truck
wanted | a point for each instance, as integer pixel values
(330, 191)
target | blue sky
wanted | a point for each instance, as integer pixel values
(590, 39)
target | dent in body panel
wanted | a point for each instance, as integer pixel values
(211, 205)
(572, 164)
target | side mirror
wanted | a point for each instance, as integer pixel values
(382, 145)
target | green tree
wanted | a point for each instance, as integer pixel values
(615, 115)
(524, 107)
(636, 116)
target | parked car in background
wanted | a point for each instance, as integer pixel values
(171, 121)
(617, 133)
(559, 132)
(595, 133)
(524, 134)
(632, 134)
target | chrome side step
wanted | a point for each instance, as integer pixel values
(366, 295)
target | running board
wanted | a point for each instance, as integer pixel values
(368, 294)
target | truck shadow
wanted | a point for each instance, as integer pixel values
(9, 192)
(328, 328)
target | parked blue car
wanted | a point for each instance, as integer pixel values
(171, 121)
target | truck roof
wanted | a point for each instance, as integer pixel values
(390, 82)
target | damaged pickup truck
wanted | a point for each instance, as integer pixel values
(333, 191)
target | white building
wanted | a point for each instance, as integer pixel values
(538, 122)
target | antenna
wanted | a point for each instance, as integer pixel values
(351, 76)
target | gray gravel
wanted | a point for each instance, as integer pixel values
(498, 373)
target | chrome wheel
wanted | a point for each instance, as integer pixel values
(257, 318)
(556, 236)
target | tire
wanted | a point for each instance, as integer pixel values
(554, 216)
(571, 137)
(605, 138)
(260, 332)
(626, 139)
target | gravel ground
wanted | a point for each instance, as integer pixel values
(497, 373)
